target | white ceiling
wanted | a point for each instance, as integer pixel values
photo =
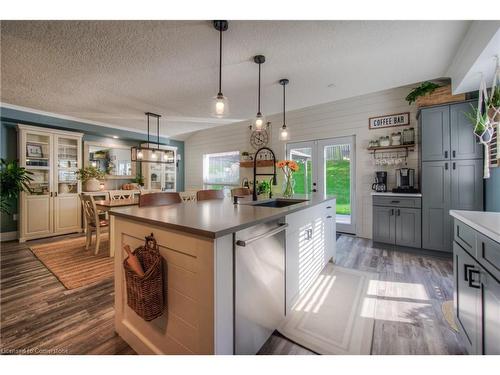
(113, 71)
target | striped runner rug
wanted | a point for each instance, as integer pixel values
(74, 266)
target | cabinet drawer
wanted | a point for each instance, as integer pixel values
(411, 202)
(488, 254)
(465, 236)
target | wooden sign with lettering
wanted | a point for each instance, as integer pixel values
(387, 121)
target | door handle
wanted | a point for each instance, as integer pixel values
(454, 153)
(398, 212)
(454, 165)
(471, 279)
(51, 194)
(272, 232)
(314, 190)
(446, 166)
(392, 211)
(446, 154)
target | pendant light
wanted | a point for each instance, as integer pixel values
(284, 133)
(152, 153)
(259, 119)
(220, 106)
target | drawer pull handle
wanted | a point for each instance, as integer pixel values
(394, 201)
(328, 217)
(328, 207)
(466, 271)
(471, 280)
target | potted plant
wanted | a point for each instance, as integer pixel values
(245, 155)
(139, 180)
(90, 176)
(289, 167)
(13, 180)
(425, 88)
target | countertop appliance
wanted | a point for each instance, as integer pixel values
(259, 285)
(405, 181)
(380, 184)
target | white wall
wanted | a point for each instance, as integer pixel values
(340, 118)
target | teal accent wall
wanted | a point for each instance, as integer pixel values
(9, 118)
(492, 190)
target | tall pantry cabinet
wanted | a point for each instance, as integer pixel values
(53, 205)
(451, 171)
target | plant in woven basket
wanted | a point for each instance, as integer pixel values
(88, 173)
(494, 100)
(425, 88)
(13, 180)
(480, 122)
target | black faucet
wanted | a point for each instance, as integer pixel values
(255, 174)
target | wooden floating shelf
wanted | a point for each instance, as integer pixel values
(260, 163)
(382, 148)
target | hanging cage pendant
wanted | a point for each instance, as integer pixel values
(220, 104)
(152, 152)
(259, 118)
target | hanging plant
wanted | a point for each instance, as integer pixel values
(480, 123)
(425, 88)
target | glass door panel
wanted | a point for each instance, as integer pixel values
(67, 165)
(336, 177)
(302, 153)
(37, 161)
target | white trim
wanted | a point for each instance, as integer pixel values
(8, 236)
(49, 130)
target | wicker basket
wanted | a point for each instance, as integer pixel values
(145, 294)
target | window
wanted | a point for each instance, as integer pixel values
(221, 169)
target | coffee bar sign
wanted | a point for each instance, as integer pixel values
(388, 121)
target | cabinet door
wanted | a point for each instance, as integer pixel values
(436, 220)
(466, 298)
(435, 133)
(408, 227)
(37, 215)
(67, 213)
(464, 144)
(467, 185)
(384, 227)
(490, 314)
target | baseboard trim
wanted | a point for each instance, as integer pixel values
(8, 236)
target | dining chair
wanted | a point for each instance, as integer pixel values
(159, 199)
(93, 222)
(242, 191)
(120, 194)
(204, 195)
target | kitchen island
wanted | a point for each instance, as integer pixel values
(231, 271)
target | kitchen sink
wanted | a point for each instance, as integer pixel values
(278, 203)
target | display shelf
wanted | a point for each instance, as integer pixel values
(385, 148)
(260, 163)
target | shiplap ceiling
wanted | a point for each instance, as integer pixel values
(111, 72)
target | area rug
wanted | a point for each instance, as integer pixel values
(72, 264)
(335, 315)
(449, 314)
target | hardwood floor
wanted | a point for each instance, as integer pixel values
(410, 292)
(39, 315)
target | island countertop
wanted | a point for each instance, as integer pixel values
(487, 223)
(214, 218)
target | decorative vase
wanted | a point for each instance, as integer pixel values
(92, 185)
(288, 186)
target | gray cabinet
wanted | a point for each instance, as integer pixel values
(436, 202)
(477, 290)
(435, 133)
(463, 145)
(451, 171)
(395, 224)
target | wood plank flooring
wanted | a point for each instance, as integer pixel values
(39, 315)
(409, 295)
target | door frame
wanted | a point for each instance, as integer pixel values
(317, 153)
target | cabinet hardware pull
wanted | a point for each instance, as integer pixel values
(446, 154)
(446, 166)
(398, 212)
(471, 280)
(392, 211)
(314, 190)
(394, 201)
(328, 217)
(272, 232)
(328, 207)
(466, 270)
(454, 154)
(454, 165)
(51, 194)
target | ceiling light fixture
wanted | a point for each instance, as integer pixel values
(220, 102)
(152, 153)
(259, 119)
(284, 133)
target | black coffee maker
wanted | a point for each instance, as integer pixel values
(380, 184)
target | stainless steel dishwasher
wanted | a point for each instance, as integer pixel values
(259, 285)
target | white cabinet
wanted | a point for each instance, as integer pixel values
(161, 176)
(310, 244)
(53, 206)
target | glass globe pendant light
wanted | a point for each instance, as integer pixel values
(284, 132)
(259, 119)
(220, 105)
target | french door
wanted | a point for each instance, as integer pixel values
(326, 166)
